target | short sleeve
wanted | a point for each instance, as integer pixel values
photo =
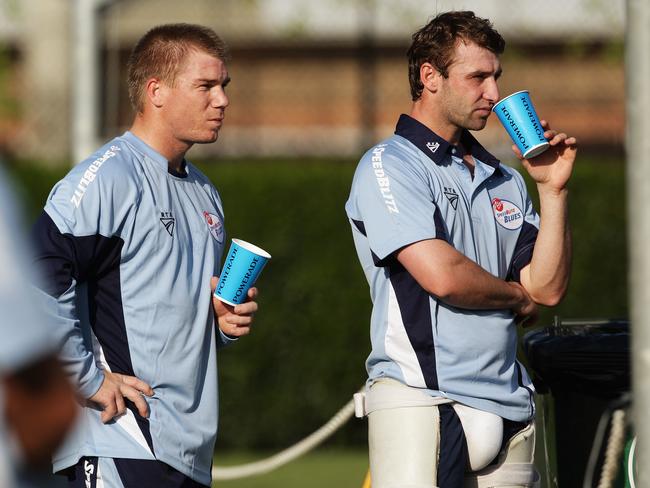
(96, 197)
(393, 199)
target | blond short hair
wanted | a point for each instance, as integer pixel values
(160, 54)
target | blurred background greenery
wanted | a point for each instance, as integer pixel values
(305, 357)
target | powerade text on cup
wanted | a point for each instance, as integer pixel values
(517, 114)
(241, 268)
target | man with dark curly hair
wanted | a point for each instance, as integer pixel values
(456, 256)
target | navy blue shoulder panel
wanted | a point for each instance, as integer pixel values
(95, 260)
(60, 258)
(523, 251)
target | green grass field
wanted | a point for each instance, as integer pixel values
(322, 468)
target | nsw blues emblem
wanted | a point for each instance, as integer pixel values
(215, 226)
(507, 214)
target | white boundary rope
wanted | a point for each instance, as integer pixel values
(615, 444)
(289, 454)
(612, 446)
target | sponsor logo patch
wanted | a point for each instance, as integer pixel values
(433, 146)
(382, 178)
(215, 226)
(507, 214)
(90, 174)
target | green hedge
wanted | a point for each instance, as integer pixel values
(306, 355)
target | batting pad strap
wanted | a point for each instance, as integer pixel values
(386, 393)
(359, 404)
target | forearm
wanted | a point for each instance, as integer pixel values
(546, 278)
(456, 280)
(473, 288)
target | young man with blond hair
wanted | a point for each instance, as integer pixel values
(130, 242)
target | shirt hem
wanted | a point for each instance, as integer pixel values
(69, 460)
(199, 475)
(516, 414)
(388, 247)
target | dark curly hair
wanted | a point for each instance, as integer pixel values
(435, 43)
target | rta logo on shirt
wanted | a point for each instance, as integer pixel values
(507, 214)
(215, 226)
(168, 221)
(452, 196)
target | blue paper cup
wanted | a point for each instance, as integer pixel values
(518, 116)
(241, 268)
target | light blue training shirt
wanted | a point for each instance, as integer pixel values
(414, 186)
(128, 250)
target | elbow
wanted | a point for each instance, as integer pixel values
(550, 301)
(445, 292)
(447, 287)
(550, 298)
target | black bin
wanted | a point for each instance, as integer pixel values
(584, 365)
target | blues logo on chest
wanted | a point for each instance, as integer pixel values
(215, 226)
(507, 214)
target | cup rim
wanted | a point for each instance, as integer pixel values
(535, 148)
(505, 98)
(252, 248)
(219, 297)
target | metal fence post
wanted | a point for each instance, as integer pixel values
(638, 179)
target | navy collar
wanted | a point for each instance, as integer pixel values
(437, 148)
